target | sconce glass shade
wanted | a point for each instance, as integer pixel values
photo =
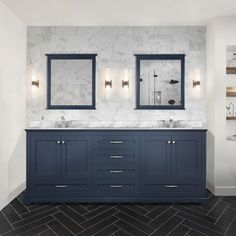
(108, 83)
(125, 83)
(196, 83)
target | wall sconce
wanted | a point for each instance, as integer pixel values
(125, 83)
(35, 83)
(196, 83)
(108, 83)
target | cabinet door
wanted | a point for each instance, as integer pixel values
(44, 159)
(76, 158)
(187, 157)
(156, 158)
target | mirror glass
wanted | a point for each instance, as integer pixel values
(160, 82)
(71, 82)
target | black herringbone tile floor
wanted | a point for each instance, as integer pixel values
(217, 217)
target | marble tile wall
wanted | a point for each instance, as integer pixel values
(116, 47)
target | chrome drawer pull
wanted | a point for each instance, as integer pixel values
(171, 186)
(116, 142)
(116, 157)
(116, 186)
(116, 171)
(61, 186)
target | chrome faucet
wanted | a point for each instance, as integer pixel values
(171, 122)
(61, 123)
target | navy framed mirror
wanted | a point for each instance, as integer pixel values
(160, 81)
(71, 81)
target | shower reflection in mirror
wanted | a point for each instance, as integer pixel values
(160, 81)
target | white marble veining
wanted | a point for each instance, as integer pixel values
(124, 124)
(116, 47)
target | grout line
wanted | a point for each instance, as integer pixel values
(204, 227)
(189, 229)
(122, 229)
(158, 216)
(214, 206)
(33, 221)
(75, 212)
(51, 228)
(175, 227)
(11, 224)
(132, 218)
(44, 230)
(99, 223)
(100, 213)
(38, 212)
(165, 222)
(106, 227)
(68, 217)
(222, 213)
(230, 224)
(16, 212)
(132, 226)
(194, 230)
(186, 207)
(60, 222)
(23, 204)
(191, 214)
(151, 211)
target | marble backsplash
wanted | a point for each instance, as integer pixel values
(116, 47)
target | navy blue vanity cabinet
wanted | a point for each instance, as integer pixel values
(43, 157)
(173, 166)
(66, 165)
(116, 165)
(76, 157)
(58, 165)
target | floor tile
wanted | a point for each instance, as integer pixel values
(129, 228)
(68, 223)
(59, 229)
(5, 225)
(179, 230)
(167, 227)
(215, 218)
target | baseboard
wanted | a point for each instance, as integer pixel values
(225, 191)
(13, 194)
(211, 188)
(222, 190)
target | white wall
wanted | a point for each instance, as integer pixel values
(221, 152)
(12, 104)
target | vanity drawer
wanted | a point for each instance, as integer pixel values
(169, 189)
(116, 157)
(114, 173)
(115, 142)
(115, 189)
(60, 188)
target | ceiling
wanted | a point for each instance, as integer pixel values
(119, 12)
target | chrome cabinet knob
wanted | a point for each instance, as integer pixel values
(63, 142)
(169, 142)
(173, 142)
(58, 142)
